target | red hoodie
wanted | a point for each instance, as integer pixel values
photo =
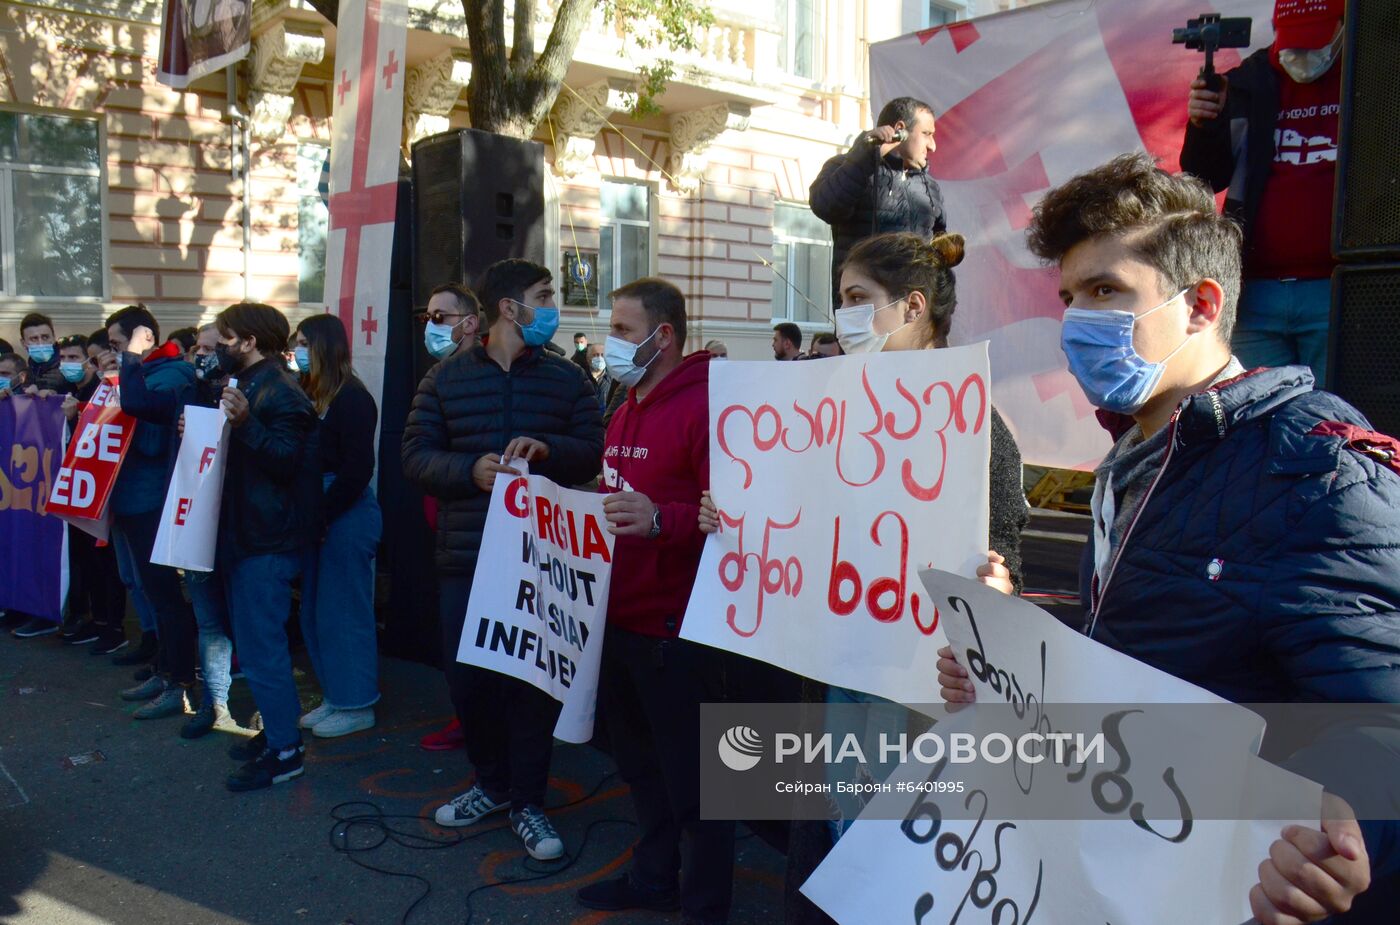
(660, 446)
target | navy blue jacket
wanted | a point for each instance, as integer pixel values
(1264, 564)
(467, 407)
(149, 390)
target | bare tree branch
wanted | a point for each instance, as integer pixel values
(522, 53)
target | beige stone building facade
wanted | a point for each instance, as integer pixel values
(115, 189)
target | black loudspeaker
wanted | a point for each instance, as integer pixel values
(477, 198)
(1364, 344)
(406, 571)
(1366, 223)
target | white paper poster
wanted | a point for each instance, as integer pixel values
(540, 593)
(837, 480)
(1138, 856)
(189, 523)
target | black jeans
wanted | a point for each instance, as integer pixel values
(650, 693)
(175, 626)
(508, 724)
(95, 586)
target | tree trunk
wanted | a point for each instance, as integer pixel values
(512, 97)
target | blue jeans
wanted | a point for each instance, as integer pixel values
(880, 716)
(259, 592)
(1284, 323)
(337, 607)
(126, 570)
(215, 647)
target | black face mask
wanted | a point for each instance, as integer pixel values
(206, 366)
(228, 362)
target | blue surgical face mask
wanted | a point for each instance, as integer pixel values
(5, 382)
(73, 372)
(438, 339)
(302, 356)
(542, 326)
(1099, 347)
(40, 353)
(621, 358)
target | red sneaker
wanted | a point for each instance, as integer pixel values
(444, 740)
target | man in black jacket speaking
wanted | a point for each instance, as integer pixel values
(881, 184)
(504, 398)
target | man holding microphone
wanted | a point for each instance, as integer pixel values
(881, 184)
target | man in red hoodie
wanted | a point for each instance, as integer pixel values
(656, 463)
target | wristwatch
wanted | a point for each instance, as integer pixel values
(655, 523)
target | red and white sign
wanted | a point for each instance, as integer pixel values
(189, 523)
(1026, 100)
(101, 439)
(367, 127)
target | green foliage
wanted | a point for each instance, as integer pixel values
(664, 24)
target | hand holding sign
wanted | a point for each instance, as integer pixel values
(629, 513)
(1309, 874)
(485, 469)
(235, 404)
(528, 449)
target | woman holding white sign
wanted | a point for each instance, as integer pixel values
(337, 583)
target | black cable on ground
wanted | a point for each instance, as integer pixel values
(378, 827)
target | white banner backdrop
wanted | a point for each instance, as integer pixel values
(540, 594)
(189, 523)
(1024, 101)
(837, 480)
(1138, 858)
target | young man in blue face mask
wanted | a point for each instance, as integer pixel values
(451, 321)
(1246, 526)
(479, 408)
(37, 337)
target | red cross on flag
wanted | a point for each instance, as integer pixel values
(366, 121)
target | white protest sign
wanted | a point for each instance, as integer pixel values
(539, 596)
(1137, 855)
(837, 480)
(189, 524)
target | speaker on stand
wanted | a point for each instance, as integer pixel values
(1363, 363)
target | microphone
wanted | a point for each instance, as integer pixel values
(899, 135)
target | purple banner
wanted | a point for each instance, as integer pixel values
(33, 566)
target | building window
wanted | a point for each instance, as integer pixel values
(313, 220)
(51, 236)
(802, 265)
(797, 55)
(624, 235)
(939, 13)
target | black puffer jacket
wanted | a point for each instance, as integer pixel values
(272, 486)
(859, 194)
(468, 407)
(1009, 511)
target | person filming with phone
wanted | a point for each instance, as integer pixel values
(881, 184)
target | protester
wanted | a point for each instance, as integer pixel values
(717, 350)
(337, 583)
(881, 184)
(451, 321)
(153, 381)
(1260, 507)
(787, 341)
(652, 683)
(825, 344)
(95, 586)
(14, 374)
(37, 337)
(505, 399)
(270, 517)
(15, 380)
(207, 590)
(186, 338)
(598, 374)
(580, 355)
(99, 350)
(1278, 113)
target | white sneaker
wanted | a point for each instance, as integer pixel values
(323, 712)
(468, 808)
(344, 722)
(541, 840)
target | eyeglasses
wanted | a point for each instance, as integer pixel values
(439, 317)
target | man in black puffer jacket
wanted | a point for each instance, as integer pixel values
(502, 399)
(881, 184)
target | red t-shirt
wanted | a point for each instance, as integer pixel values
(1292, 234)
